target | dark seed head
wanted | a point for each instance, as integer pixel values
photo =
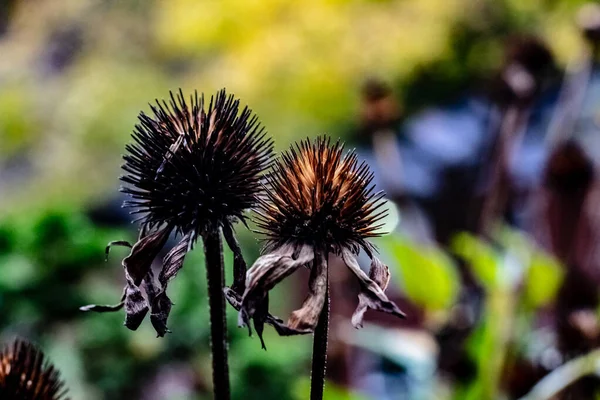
(26, 375)
(321, 197)
(195, 167)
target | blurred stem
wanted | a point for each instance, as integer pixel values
(564, 375)
(319, 359)
(513, 120)
(572, 95)
(215, 276)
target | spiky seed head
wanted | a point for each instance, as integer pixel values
(322, 197)
(195, 167)
(25, 374)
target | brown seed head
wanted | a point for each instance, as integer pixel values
(321, 197)
(26, 375)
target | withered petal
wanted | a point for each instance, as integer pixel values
(239, 264)
(371, 293)
(102, 307)
(105, 308)
(136, 306)
(272, 268)
(143, 252)
(267, 271)
(306, 318)
(173, 261)
(123, 243)
(161, 308)
(160, 304)
(379, 273)
(259, 317)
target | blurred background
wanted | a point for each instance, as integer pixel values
(480, 119)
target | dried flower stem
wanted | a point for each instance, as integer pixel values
(213, 251)
(319, 357)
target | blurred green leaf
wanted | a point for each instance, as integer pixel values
(542, 280)
(427, 275)
(480, 256)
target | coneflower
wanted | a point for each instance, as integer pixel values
(319, 202)
(192, 170)
(25, 374)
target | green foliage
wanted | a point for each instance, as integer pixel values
(427, 276)
(542, 281)
(480, 256)
(53, 263)
(17, 125)
(539, 277)
(332, 392)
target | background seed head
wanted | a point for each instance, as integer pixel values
(25, 374)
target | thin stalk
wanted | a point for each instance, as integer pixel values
(513, 122)
(563, 376)
(319, 359)
(215, 276)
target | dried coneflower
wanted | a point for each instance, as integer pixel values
(319, 201)
(25, 374)
(192, 170)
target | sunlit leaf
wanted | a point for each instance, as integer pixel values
(427, 275)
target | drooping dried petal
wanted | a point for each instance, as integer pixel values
(160, 303)
(372, 293)
(267, 271)
(136, 306)
(144, 251)
(123, 243)
(161, 308)
(239, 264)
(380, 274)
(307, 316)
(174, 259)
(25, 374)
(106, 308)
(137, 267)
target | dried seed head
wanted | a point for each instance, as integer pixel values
(320, 197)
(194, 168)
(319, 201)
(26, 375)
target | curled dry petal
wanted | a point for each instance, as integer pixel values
(136, 306)
(144, 251)
(266, 272)
(239, 264)
(123, 243)
(137, 266)
(173, 261)
(307, 316)
(380, 274)
(371, 293)
(160, 309)
(160, 304)
(106, 308)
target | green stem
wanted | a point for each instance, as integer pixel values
(215, 276)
